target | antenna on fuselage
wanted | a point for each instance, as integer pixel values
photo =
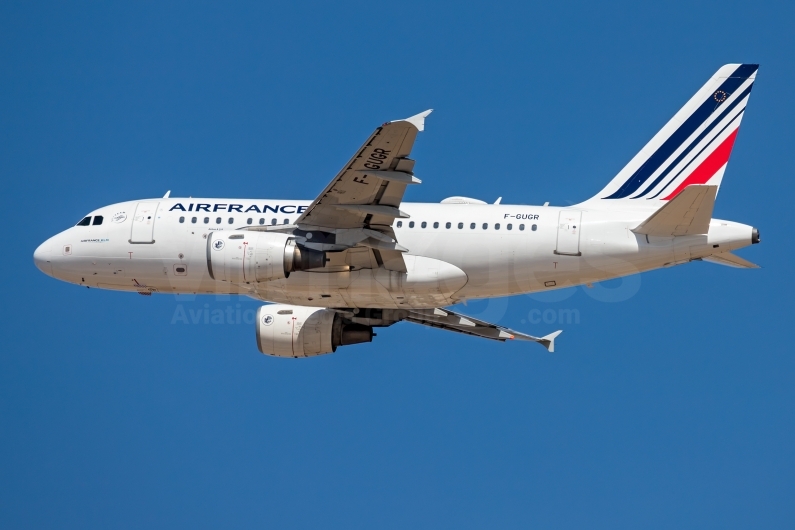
(167, 194)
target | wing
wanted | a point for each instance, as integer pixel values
(443, 319)
(369, 189)
(452, 321)
(359, 206)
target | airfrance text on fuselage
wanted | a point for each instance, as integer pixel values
(288, 209)
(203, 207)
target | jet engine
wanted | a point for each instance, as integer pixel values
(248, 256)
(297, 331)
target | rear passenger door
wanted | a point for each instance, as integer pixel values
(569, 233)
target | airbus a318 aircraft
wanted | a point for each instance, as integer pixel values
(358, 257)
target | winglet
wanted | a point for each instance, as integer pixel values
(548, 341)
(418, 120)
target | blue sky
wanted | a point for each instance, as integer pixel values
(668, 404)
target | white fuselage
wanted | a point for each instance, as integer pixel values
(455, 252)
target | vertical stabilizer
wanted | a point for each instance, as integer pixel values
(692, 148)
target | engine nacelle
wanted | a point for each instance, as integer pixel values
(297, 331)
(248, 256)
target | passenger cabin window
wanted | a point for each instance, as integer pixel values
(193, 220)
(262, 221)
(97, 220)
(85, 221)
(206, 220)
(217, 220)
(485, 226)
(411, 224)
(509, 226)
(521, 227)
(424, 224)
(460, 226)
(287, 221)
(399, 224)
(535, 227)
(471, 226)
(497, 226)
(181, 220)
(273, 221)
(249, 221)
(447, 225)
(436, 225)
(231, 220)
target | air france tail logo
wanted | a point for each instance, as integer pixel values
(696, 150)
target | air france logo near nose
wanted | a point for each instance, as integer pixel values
(218, 244)
(267, 320)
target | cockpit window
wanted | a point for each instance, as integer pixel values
(85, 222)
(97, 220)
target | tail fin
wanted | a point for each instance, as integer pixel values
(692, 148)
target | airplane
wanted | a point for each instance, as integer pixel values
(358, 258)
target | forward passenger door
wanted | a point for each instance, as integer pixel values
(143, 223)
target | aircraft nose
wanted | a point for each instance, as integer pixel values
(43, 259)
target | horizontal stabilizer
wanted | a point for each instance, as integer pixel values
(686, 214)
(731, 260)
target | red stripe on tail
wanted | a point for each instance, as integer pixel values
(709, 166)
